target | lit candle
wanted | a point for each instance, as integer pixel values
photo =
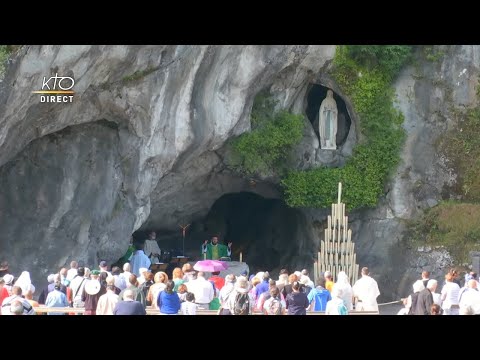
(240, 257)
(339, 192)
(204, 256)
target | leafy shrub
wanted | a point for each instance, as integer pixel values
(265, 149)
(365, 74)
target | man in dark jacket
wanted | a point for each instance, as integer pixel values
(424, 302)
(129, 306)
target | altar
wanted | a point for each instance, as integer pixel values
(234, 267)
(175, 261)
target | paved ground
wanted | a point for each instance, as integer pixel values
(390, 309)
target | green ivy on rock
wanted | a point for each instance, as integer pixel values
(365, 74)
(265, 149)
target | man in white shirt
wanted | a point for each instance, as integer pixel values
(106, 302)
(202, 289)
(425, 277)
(72, 271)
(366, 292)
(449, 295)
(76, 285)
(470, 298)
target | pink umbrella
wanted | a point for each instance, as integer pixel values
(210, 265)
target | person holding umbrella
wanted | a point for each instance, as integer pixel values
(214, 250)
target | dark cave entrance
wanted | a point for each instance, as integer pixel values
(264, 230)
(316, 94)
(269, 234)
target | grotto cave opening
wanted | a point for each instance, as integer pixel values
(269, 234)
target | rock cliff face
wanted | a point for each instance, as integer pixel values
(142, 144)
(427, 95)
(140, 137)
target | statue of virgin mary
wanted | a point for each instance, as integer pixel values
(328, 122)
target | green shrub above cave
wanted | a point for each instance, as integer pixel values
(265, 149)
(365, 75)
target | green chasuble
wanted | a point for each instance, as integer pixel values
(128, 254)
(215, 252)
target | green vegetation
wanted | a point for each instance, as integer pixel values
(365, 74)
(454, 225)
(266, 148)
(432, 54)
(139, 74)
(461, 146)
(5, 52)
(3, 57)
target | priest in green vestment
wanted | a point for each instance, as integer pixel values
(125, 258)
(214, 250)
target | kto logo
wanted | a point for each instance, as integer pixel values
(57, 89)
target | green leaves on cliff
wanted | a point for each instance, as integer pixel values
(5, 52)
(365, 74)
(389, 58)
(451, 224)
(265, 149)
(3, 57)
(461, 146)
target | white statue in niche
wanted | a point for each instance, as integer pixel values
(328, 122)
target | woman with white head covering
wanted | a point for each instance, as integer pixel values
(336, 306)
(411, 302)
(24, 281)
(347, 292)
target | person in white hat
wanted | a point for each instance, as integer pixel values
(8, 278)
(92, 292)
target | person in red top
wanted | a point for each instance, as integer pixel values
(3, 291)
(218, 281)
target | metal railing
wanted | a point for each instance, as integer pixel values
(152, 311)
